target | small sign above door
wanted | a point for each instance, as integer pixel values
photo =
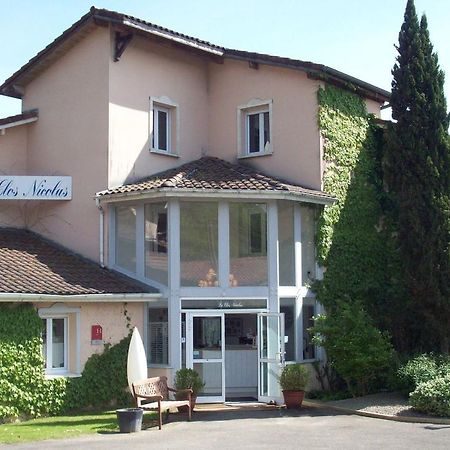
(17, 187)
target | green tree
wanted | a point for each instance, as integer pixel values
(417, 175)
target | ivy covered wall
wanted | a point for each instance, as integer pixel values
(24, 390)
(352, 239)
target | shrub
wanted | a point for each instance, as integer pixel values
(433, 397)
(356, 349)
(188, 379)
(103, 381)
(294, 377)
(421, 369)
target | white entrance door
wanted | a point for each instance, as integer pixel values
(270, 355)
(205, 353)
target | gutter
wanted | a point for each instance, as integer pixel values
(101, 232)
(94, 298)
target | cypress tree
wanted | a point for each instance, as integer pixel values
(417, 178)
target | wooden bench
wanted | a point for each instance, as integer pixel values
(153, 394)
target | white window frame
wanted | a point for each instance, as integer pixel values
(167, 105)
(162, 303)
(62, 312)
(49, 369)
(253, 107)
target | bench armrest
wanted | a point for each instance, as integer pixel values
(150, 398)
(180, 391)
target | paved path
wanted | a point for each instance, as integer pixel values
(278, 429)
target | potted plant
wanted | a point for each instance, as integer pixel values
(293, 381)
(187, 379)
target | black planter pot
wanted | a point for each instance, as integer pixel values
(130, 419)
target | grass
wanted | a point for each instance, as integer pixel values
(62, 427)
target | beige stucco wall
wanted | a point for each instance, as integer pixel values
(373, 107)
(13, 161)
(71, 138)
(295, 139)
(150, 70)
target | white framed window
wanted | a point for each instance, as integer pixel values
(61, 340)
(163, 126)
(54, 344)
(158, 333)
(254, 122)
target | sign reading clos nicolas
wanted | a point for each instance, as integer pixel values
(15, 187)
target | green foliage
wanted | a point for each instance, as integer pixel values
(294, 377)
(352, 235)
(417, 177)
(188, 379)
(103, 381)
(421, 369)
(24, 391)
(356, 349)
(433, 397)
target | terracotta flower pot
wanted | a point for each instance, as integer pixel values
(293, 399)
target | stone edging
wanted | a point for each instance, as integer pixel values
(436, 420)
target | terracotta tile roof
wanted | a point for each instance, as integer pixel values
(210, 173)
(97, 16)
(31, 114)
(30, 264)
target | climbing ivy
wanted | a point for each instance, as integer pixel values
(24, 391)
(351, 237)
(352, 240)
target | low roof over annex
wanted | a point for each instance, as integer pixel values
(30, 264)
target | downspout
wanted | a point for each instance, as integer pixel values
(101, 223)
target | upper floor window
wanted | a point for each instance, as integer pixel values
(161, 128)
(164, 126)
(255, 128)
(258, 132)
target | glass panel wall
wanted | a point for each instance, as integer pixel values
(199, 244)
(308, 312)
(248, 244)
(126, 237)
(158, 333)
(286, 244)
(308, 245)
(156, 249)
(287, 306)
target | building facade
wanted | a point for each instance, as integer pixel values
(187, 178)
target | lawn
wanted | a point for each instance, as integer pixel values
(62, 427)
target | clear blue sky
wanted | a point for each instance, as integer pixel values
(354, 36)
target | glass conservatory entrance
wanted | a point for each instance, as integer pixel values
(237, 354)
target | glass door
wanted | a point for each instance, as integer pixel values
(205, 353)
(270, 355)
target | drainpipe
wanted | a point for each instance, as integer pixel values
(101, 222)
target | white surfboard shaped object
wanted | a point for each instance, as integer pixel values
(137, 360)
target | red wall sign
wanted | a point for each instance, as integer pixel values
(96, 333)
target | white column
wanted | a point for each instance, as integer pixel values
(224, 245)
(298, 282)
(174, 285)
(140, 241)
(272, 255)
